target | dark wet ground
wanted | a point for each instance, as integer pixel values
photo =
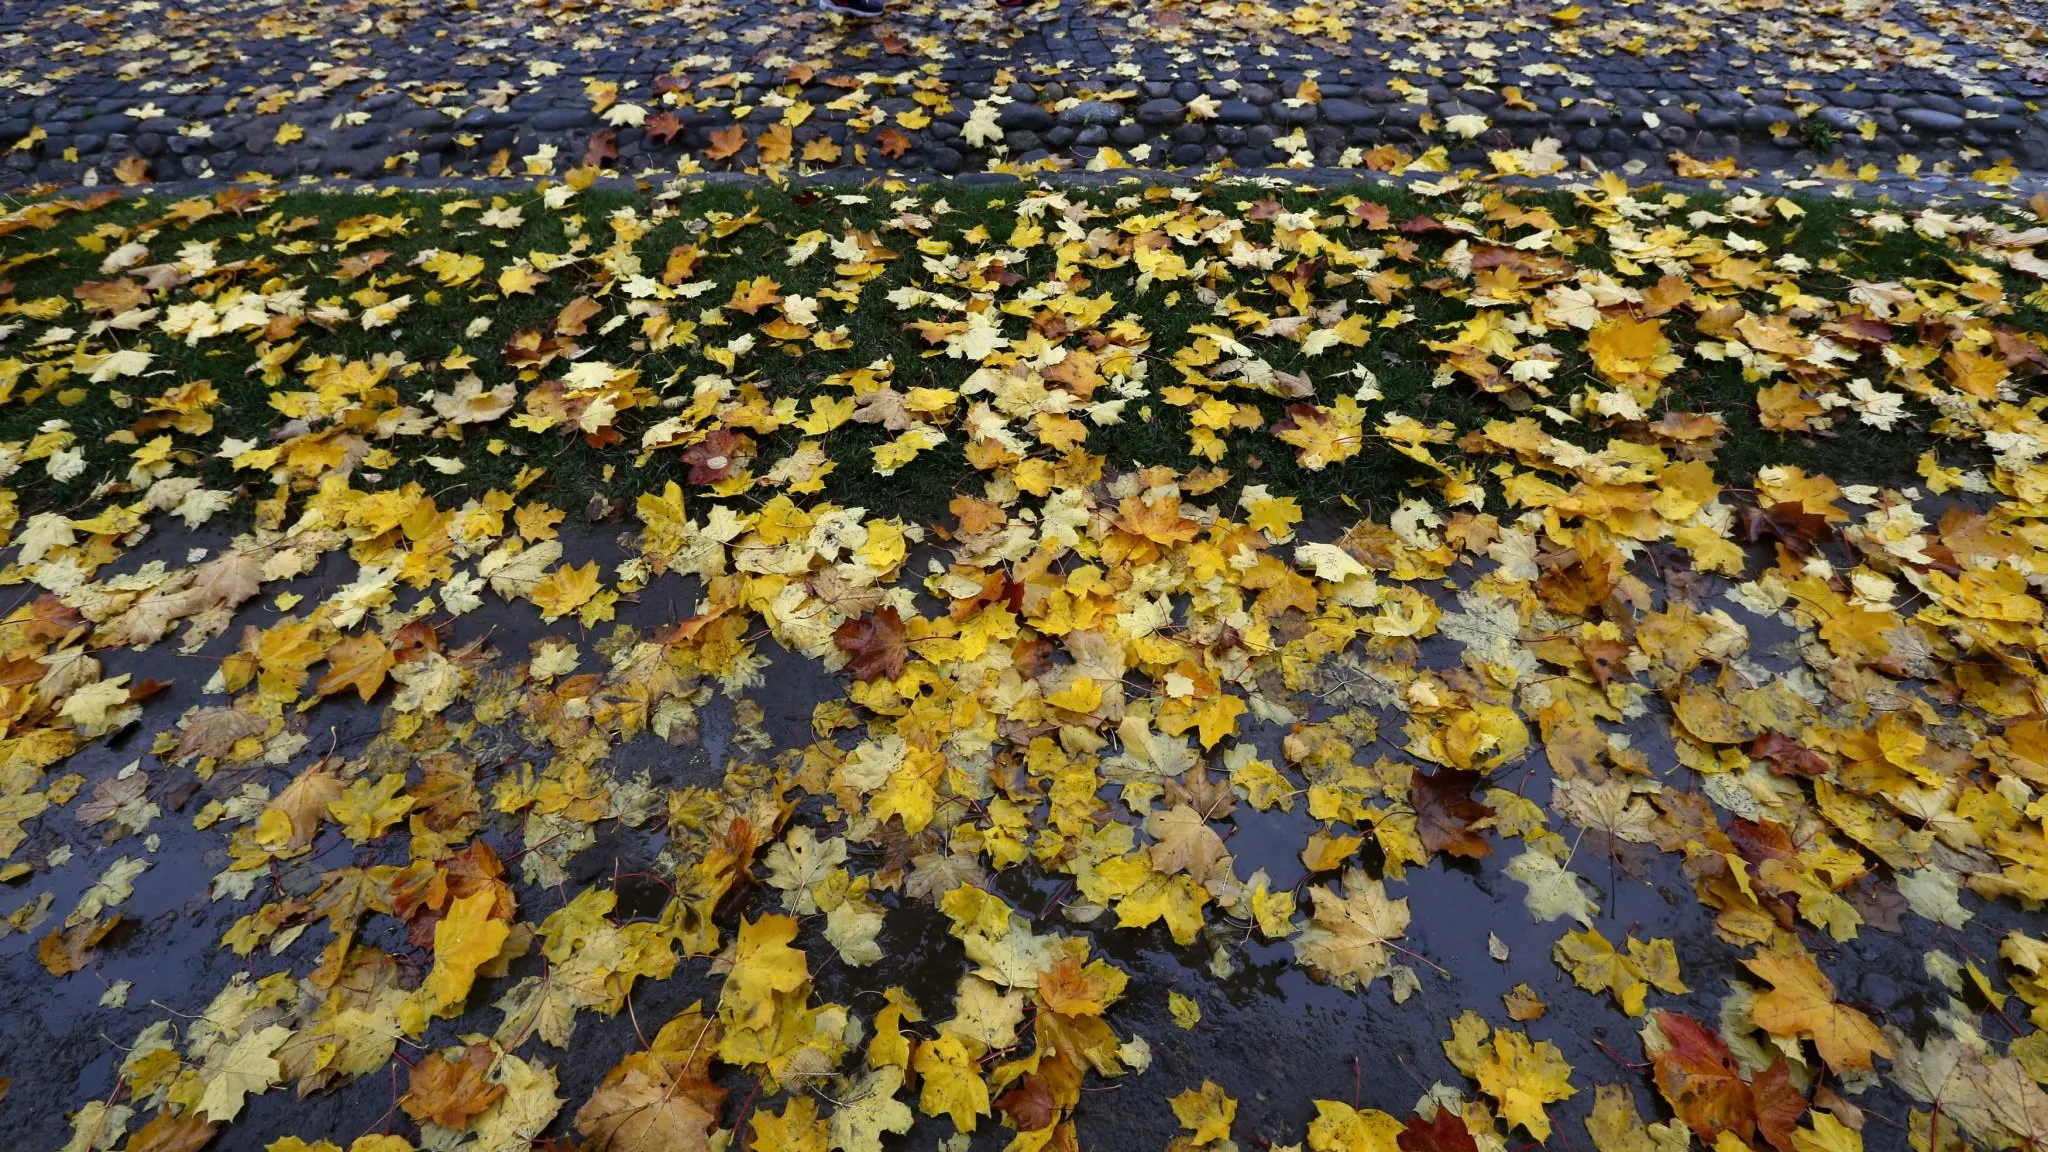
(1269, 1035)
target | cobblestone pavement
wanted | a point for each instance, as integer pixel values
(1863, 89)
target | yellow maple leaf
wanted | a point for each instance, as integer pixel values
(367, 807)
(1624, 348)
(870, 1109)
(520, 279)
(822, 150)
(775, 144)
(1207, 1112)
(952, 1084)
(1347, 937)
(1323, 436)
(454, 268)
(752, 295)
(358, 662)
(1828, 1135)
(1082, 694)
(797, 1128)
(1339, 1127)
(1523, 1076)
(465, 939)
(1596, 965)
(242, 1069)
(564, 590)
(1801, 1002)
(1217, 717)
(763, 964)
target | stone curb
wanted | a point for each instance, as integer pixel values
(1894, 189)
(1248, 125)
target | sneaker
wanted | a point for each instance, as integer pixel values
(856, 9)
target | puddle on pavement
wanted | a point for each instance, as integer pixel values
(1269, 1035)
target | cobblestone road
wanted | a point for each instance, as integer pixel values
(1736, 87)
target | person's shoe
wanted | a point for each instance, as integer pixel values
(856, 9)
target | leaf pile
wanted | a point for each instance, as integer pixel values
(1133, 630)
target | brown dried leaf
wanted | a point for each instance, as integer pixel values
(452, 1090)
(1445, 812)
(875, 644)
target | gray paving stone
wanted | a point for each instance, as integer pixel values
(1742, 83)
(1760, 117)
(1092, 112)
(1161, 111)
(561, 119)
(1240, 112)
(1026, 117)
(1930, 120)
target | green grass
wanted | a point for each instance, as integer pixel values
(1828, 236)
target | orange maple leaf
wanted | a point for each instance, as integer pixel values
(725, 142)
(750, 296)
(663, 126)
(451, 1091)
(775, 145)
(892, 143)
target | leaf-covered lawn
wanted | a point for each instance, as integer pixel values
(1430, 527)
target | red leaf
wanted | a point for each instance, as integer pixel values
(1878, 903)
(173, 1132)
(1790, 524)
(663, 126)
(1445, 1133)
(1372, 215)
(1701, 1080)
(1785, 756)
(1757, 842)
(892, 143)
(1423, 224)
(1030, 1104)
(602, 149)
(1445, 812)
(145, 688)
(876, 644)
(1778, 1105)
(1607, 659)
(415, 641)
(1863, 329)
(717, 456)
(47, 619)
